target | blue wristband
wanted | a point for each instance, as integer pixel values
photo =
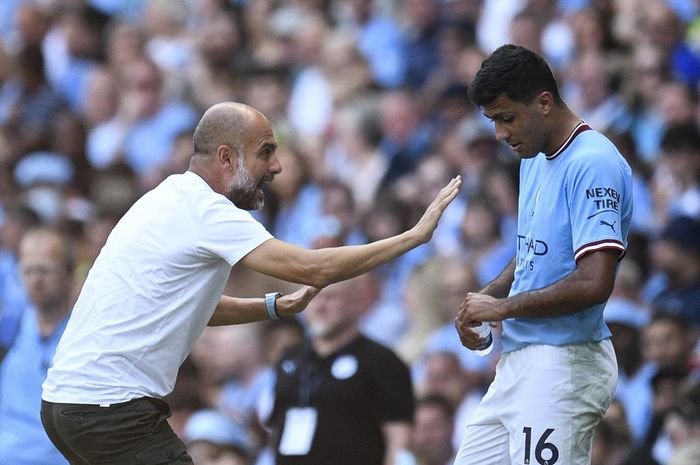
(271, 304)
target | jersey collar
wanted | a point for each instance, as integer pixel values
(580, 127)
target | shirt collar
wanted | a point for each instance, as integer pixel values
(580, 127)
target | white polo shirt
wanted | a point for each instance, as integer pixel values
(150, 294)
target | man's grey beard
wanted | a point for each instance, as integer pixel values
(243, 189)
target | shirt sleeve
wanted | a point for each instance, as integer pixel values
(229, 232)
(596, 197)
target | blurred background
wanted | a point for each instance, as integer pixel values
(99, 99)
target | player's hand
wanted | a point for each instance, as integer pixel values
(429, 221)
(468, 337)
(478, 307)
(474, 309)
(295, 302)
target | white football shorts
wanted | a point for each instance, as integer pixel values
(542, 406)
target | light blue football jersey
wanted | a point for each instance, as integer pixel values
(575, 201)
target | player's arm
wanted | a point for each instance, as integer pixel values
(235, 310)
(321, 267)
(500, 286)
(397, 437)
(589, 284)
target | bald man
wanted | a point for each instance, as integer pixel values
(158, 282)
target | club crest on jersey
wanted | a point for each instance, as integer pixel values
(605, 199)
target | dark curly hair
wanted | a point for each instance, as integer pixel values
(516, 72)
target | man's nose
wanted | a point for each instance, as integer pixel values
(501, 132)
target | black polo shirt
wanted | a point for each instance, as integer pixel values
(354, 392)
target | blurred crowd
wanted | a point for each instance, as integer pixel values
(98, 102)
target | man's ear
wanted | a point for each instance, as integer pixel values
(545, 102)
(224, 155)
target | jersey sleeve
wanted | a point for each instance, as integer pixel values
(229, 233)
(598, 202)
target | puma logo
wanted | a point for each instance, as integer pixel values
(605, 223)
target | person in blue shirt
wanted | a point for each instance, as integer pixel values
(46, 264)
(557, 373)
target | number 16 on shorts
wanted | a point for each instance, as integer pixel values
(546, 453)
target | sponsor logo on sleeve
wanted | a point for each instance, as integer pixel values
(605, 199)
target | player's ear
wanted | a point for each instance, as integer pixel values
(545, 101)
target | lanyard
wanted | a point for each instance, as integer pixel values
(310, 376)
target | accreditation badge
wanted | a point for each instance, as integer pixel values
(299, 428)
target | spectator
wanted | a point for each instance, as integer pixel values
(125, 45)
(379, 39)
(46, 263)
(482, 243)
(213, 75)
(434, 427)
(102, 97)
(296, 200)
(445, 376)
(406, 135)
(27, 101)
(354, 156)
(311, 97)
(18, 219)
(340, 398)
(594, 93)
(421, 40)
(668, 342)
(634, 390)
(683, 427)
(75, 50)
(610, 447)
(655, 447)
(676, 257)
(420, 302)
(661, 28)
(456, 276)
(676, 181)
(142, 131)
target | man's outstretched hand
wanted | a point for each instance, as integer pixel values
(429, 221)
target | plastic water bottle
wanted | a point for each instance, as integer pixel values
(484, 331)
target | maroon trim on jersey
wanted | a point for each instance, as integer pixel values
(605, 244)
(581, 127)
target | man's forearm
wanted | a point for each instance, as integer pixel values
(235, 310)
(341, 263)
(589, 284)
(500, 286)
